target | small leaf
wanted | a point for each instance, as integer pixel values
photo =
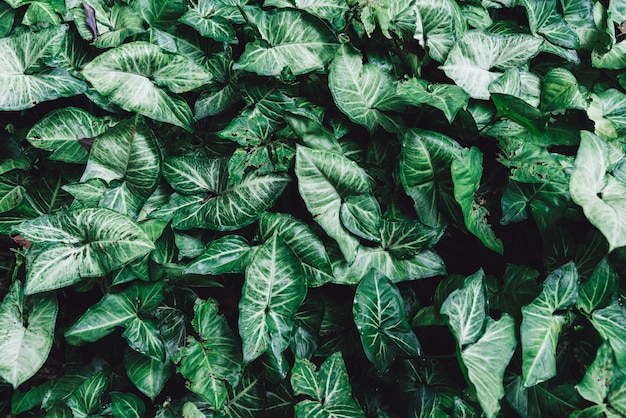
(228, 254)
(147, 374)
(596, 292)
(610, 323)
(561, 91)
(440, 26)
(127, 405)
(85, 399)
(596, 384)
(445, 97)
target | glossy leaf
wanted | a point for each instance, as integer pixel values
(147, 374)
(445, 97)
(79, 244)
(442, 25)
(306, 49)
(127, 405)
(206, 19)
(228, 254)
(379, 315)
(597, 292)
(610, 323)
(27, 325)
(210, 362)
(561, 91)
(274, 288)
(85, 399)
(596, 384)
(139, 77)
(607, 111)
(108, 24)
(541, 325)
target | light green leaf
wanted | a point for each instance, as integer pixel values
(128, 156)
(602, 196)
(524, 85)
(614, 59)
(27, 328)
(445, 97)
(159, 13)
(596, 384)
(114, 22)
(470, 61)
(361, 91)
(466, 309)
(147, 374)
(378, 312)
(137, 76)
(544, 18)
(541, 326)
(114, 310)
(273, 289)
(143, 336)
(228, 254)
(190, 175)
(85, 399)
(205, 18)
(303, 242)
(425, 164)
(610, 322)
(24, 79)
(307, 47)
(324, 9)
(67, 132)
(404, 238)
(360, 214)
(597, 292)
(561, 91)
(7, 18)
(210, 363)
(79, 244)
(467, 171)
(127, 405)
(608, 111)
(440, 26)
(329, 389)
(326, 180)
(487, 359)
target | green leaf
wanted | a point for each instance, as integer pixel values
(303, 242)
(27, 328)
(470, 61)
(561, 91)
(520, 112)
(524, 85)
(425, 164)
(127, 405)
(324, 9)
(378, 312)
(189, 175)
(541, 325)
(79, 244)
(596, 384)
(596, 292)
(614, 59)
(466, 309)
(273, 289)
(137, 76)
(325, 181)
(228, 254)
(544, 18)
(67, 132)
(328, 388)
(610, 323)
(616, 396)
(404, 238)
(602, 196)
(147, 374)
(85, 399)
(211, 361)
(309, 46)
(445, 97)
(440, 25)
(128, 156)
(467, 170)
(487, 359)
(122, 309)
(206, 19)
(7, 18)
(360, 214)
(608, 111)
(113, 23)
(361, 91)
(25, 81)
(159, 13)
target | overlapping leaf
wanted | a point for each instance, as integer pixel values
(440, 25)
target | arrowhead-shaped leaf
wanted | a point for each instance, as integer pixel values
(79, 244)
(127, 405)
(139, 77)
(596, 384)
(307, 46)
(147, 374)
(27, 329)
(207, 19)
(440, 26)
(445, 97)
(541, 326)
(610, 322)
(378, 312)
(228, 254)
(608, 111)
(597, 292)
(273, 289)
(85, 399)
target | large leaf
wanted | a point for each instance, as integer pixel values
(326, 181)
(303, 242)
(361, 91)
(544, 18)
(210, 362)
(378, 312)
(289, 39)
(608, 111)
(147, 374)
(597, 292)
(27, 328)
(67, 132)
(273, 289)
(85, 398)
(610, 323)
(561, 91)
(471, 60)
(328, 390)
(24, 79)
(128, 156)
(467, 171)
(541, 324)
(601, 195)
(138, 77)
(79, 244)
(440, 25)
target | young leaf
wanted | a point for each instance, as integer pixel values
(274, 288)
(306, 47)
(79, 244)
(378, 312)
(329, 389)
(561, 91)
(213, 360)
(541, 326)
(27, 328)
(106, 25)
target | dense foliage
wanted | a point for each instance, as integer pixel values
(324, 208)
